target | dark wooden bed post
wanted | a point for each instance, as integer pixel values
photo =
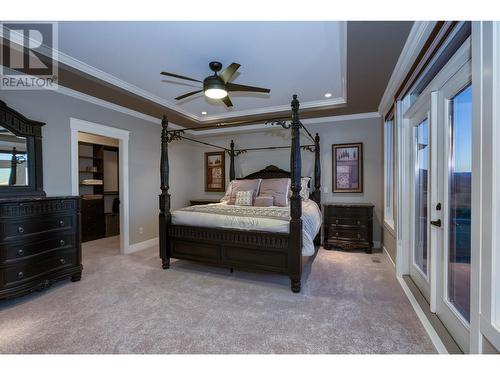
(295, 254)
(232, 174)
(165, 216)
(317, 171)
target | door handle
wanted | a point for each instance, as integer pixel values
(436, 223)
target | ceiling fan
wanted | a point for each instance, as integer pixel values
(217, 85)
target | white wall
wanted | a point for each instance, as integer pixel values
(56, 110)
(369, 131)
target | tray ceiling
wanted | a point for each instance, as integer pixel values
(307, 58)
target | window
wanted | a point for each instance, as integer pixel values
(389, 172)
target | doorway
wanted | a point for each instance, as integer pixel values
(80, 126)
(98, 174)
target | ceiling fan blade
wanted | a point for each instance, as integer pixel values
(179, 76)
(188, 94)
(236, 87)
(227, 73)
(227, 101)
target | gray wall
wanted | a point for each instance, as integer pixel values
(368, 131)
(144, 153)
(187, 159)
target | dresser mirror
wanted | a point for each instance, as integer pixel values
(13, 159)
(20, 154)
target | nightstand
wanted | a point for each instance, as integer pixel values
(199, 202)
(348, 226)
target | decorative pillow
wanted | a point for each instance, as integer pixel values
(244, 198)
(305, 191)
(277, 188)
(243, 185)
(264, 201)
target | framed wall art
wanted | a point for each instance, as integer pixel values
(215, 172)
(347, 168)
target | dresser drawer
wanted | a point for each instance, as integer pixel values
(25, 271)
(14, 252)
(347, 234)
(16, 229)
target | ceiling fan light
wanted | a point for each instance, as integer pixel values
(216, 93)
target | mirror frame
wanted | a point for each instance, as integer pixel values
(32, 130)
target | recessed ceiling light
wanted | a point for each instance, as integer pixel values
(328, 95)
(203, 113)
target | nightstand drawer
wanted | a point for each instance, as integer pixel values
(348, 234)
(347, 221)
(341, 211)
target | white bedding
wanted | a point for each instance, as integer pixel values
(268, 219)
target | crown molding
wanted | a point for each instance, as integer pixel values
(114, 107)
(318, 104)
(90, 70)
(417, 37)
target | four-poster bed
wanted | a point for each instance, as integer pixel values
(276, 252)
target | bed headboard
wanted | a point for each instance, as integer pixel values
(271, 171)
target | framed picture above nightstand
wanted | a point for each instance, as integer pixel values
(347, 166)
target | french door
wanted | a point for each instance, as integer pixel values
(454, 178)
(420, 122)
(440, 194)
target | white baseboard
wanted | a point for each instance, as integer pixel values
(388, 256)
(423, 319)
(142, 245)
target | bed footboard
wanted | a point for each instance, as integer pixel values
(246, 250)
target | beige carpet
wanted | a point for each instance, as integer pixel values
(128, 304)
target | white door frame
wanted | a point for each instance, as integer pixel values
(77, 125)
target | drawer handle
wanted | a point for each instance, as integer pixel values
(359, 222)
(20, 229)
(61, 223)
(337, 221)
(20, 275)
(20, 252)
(63, 261)
(62, 242)
(337, 234)
(359, 235)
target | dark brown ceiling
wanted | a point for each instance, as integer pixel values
(372, 51)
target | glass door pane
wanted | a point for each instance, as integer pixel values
(459, 213)
(421, 195)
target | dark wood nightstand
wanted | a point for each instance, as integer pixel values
(348, 226)
(199, 202)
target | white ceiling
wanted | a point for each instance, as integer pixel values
(306, 58)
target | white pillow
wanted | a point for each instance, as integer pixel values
(305, 191)
(244, 198)
(227, 196)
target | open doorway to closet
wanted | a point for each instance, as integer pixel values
(98, 171)
(78, 126)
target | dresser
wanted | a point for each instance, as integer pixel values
(39, 243)
(348, 226)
